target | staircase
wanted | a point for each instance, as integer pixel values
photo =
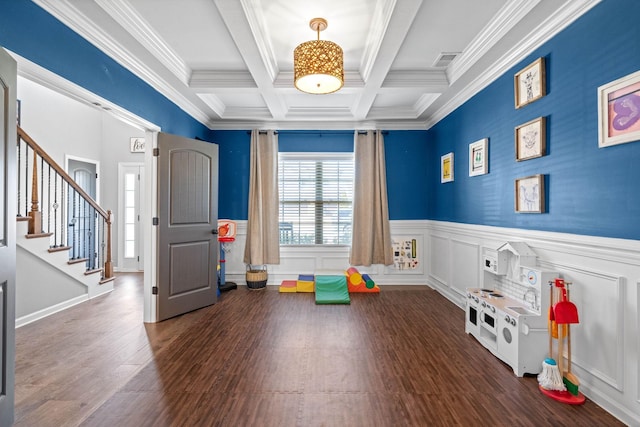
(63, 250)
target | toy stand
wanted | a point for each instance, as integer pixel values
(226, 236)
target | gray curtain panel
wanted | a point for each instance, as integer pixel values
(371, 239)
(263, 236)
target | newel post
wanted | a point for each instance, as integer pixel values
(108, 265)
(35, 214)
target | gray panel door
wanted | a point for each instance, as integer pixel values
(7, 235)
(188, 218)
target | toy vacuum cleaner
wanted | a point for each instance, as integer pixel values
(226, 236)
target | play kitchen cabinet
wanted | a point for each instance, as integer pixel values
(506, 315)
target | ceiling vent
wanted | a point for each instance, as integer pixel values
(444, 59)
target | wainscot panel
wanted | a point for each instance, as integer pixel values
(605, 344)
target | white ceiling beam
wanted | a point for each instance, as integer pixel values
(129, 19)
(234, 16)
(379, 61)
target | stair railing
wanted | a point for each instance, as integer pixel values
(61, 209)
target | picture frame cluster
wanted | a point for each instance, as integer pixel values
(529, 85)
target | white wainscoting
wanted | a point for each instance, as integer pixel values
(311, 259)
(605, 344)
(603, 271)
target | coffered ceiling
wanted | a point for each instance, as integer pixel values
(229, 63)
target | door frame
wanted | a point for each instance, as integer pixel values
(68, 157)
(141, 211)
(48, 79)
(150, 314)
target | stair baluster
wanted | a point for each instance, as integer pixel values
(66, 206)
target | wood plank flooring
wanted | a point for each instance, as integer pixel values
(261, 358)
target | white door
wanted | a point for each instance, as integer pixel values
(130, 226)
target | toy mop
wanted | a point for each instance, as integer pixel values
(554, 381)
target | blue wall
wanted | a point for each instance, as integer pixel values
(405, 153)
(589, 190)
(31, 32)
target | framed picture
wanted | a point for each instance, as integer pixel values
(18, 112)
(479, 157)
(446, 168)
(529, 83)
(136, 145)
(531, 139)
(529, 194)
(619, 111)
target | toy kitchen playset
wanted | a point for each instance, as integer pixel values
(506, 315)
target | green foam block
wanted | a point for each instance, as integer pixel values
(332, 290)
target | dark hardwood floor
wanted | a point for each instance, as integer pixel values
(261, 358)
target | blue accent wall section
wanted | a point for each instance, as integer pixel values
(589, 190)
(407, 157)
(405, 153)
(233, 183)
(34, 34)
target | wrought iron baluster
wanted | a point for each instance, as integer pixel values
(85, 233)
(63, 202)
(26, 181)
(49, 207)
(42, 195)
(74, 224)
(55, 207)
(19, 159)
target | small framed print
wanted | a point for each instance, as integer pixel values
(478, 157)
(531, 139)
(136, 145)
(529, 83)
(529, 194)
(446, 168)
(619, 111)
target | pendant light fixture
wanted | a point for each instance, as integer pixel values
(318, 64)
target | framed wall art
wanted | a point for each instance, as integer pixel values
(479, 157)
(531, 139)
(529, 83)
(529, 194)
(619, 111)
(446, 168)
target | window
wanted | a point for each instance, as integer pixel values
(316, 196)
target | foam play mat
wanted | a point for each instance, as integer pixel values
(332, 290)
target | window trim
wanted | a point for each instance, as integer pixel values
(315, 156)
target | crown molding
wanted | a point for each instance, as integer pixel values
(247, 113)
(507, 18)
(52, 81)
(429, 80)
(210, 79)
(566, 15)
(66, 13)
(129, 19)
(315, 125)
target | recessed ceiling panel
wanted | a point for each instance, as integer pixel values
(195, 31)
(443, 26)
(287, 23)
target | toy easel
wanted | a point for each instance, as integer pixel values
(226, 236)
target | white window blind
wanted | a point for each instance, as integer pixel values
(316, 198)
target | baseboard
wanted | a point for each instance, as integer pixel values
(30, 318)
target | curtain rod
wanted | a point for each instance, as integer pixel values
(320, 132)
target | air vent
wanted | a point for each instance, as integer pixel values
(444, 59)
